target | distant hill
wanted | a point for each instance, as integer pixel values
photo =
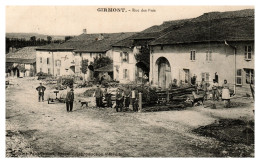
(27, 36)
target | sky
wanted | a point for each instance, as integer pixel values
(71, 20)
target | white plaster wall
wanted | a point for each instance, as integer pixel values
(222, 61)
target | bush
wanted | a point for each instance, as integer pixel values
(41, 74)
(67, 81)
(149, 96)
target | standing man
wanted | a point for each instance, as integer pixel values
(41, 90)
(119, 99)
(134, 99)
(108, 95)
(98, 95)
(127, 93)
(204, 86)
(69, 100)
(215, 92)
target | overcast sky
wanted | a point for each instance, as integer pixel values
(71, 20)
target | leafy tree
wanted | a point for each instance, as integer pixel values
(49, 38)
(67, 38)
(33, 38)
(84, 67)
(101, 62)
(143, 55)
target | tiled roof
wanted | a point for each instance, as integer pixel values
(230, 29)
(88, 42)
(24, 53)
(104, 44)
(157, 31)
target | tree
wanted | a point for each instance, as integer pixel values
(33, 39)
(49, 38)
(84, 67)
(102, 62)
(67, 38)
(143, 55)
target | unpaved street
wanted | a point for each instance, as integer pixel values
(49, 131)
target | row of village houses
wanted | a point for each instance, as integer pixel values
(219, 43)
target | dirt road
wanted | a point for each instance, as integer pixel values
(47, 130)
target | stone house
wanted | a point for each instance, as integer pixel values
(21, 62)
(66, 58)
(222, 46)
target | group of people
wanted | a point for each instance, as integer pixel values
(225, 93)
(124, 97)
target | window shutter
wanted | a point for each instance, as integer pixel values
(245, 52)
(127, 57)
(127, 74)
(121, 56)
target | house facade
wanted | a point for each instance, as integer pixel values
(204, 60)
(124, 64)
(219, 48)
(55, 62)
(21, 62)
(66, 58)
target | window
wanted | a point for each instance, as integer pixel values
(49, 71)
(125, 74)
(48, 61)
(192, 55)
(90, 55)
(57, 63)
(124, 57)
(40, 69)
(249, 76)
(40, 59)
(205, 76)
(248, 52)
(208, 55)
(58, 71)
(239, 77)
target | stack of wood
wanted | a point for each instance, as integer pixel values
(173, 99)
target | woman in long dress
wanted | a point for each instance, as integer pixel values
(226, 94)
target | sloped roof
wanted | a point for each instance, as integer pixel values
(24, 53)
(168, 26)
(239, 28)
(108, 68)
(88, 42)
(104, 44)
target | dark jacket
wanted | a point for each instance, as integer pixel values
(98, 93)
(119, 95)
(41, 89)
(70, 96)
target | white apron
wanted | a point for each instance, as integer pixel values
(225, 94)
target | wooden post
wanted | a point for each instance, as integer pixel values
(167, 96)
(140, 102)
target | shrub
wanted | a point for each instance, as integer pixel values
(67, 81)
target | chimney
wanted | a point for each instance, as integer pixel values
(85, 31)
(101, 37)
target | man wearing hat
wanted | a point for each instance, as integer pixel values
(41, 90)
(119, 100)
(69, 100)
(98, 95)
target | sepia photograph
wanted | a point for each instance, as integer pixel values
(129, 81)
